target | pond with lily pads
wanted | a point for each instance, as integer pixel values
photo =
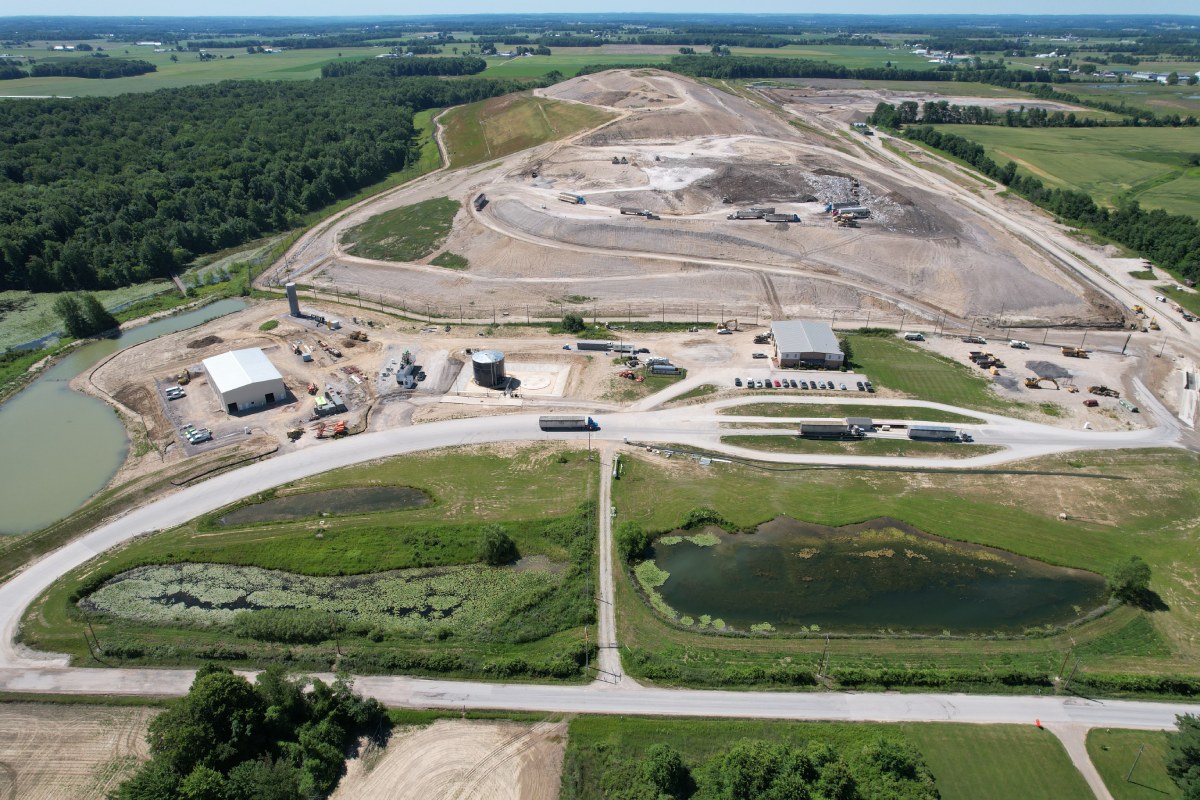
(879, 576)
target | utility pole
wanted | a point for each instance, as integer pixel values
(1127, 338)
(1136, 758)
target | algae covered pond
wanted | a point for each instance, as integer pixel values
(356, 500)
(877, 576)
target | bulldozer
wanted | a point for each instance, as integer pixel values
(1103, 391)
(1036, 382)
(184, 378)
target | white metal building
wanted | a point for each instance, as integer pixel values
(801, 343)
(245, 379)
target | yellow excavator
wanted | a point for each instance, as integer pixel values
(1036, 383)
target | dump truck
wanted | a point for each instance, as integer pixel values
(568, 197)
(763, 209)
(782, 217)
(1075, 352)
(562, 422)
(480, 201)
(746, 214)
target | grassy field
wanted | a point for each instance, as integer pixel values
(533, 492)
(862, 447)
(1156, 97)
(1001, 761)
(492, 128)
(1136, 509)
(408, 233)
(901, 366)
(823, 410)
(1146, 164)
(189, 70)
(968, 762)
(1114, 752)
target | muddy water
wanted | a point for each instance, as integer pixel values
(359, 500)
(881, 575)
(59, 446)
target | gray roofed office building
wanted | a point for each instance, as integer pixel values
(799, 343)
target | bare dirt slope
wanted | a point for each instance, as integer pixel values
(460, 759)
(691, 154)
(53, 752)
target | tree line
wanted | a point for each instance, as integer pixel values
(95, 66)
(1171, 240)
(941, 112)
(398, 67)
(104, 192)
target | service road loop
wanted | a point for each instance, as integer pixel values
(697, 426)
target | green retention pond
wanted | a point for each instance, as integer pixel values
(354, 500)
(878, 576)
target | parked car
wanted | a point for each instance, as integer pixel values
(174, 393)
(842, 387)
(1090, 403)
(776, 383)
(803, 384)
(974, 340)
(870, 388)
(759, 355)
(737, 381)
(860, 386)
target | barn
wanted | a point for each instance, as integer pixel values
(245, 380)
(799, 343)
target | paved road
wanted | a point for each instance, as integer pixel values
(694, 426)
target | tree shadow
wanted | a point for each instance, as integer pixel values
(1145, 599)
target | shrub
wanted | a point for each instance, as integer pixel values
(496, 547)
(631, 540)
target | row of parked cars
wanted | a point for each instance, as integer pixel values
(792, 383)
(196, 435)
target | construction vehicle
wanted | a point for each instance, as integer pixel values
(184, 378)
(312, 388)
(1154, 326)
(781, 217)
(480, 201)
(1075, 352)
(568, 197)
(1036, 382)
(762, 338)
(295, 433)
(358, 336)
(845, 221)
(1104, 391)
(746, 214)
(728, 325)
(1139, 310)
(1072, 389)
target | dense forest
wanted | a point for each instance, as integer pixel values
(1171, 240)
(103, 192)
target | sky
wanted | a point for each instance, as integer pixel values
(405, 7)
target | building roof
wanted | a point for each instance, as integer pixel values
(802, 336)
(239, 368)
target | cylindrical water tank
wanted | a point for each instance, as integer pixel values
(489, 368)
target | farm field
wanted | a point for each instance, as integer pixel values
(498, 126)
(320, 585)
(69, 752)
(1118, 492)
(968, 762)
(231, 64)
(1114, 752)
(1156, 97)
(1144, 164)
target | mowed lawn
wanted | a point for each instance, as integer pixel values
(496, 127)
(973, 762)
(1148, 164)
(1114, 752)
(895, 364)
